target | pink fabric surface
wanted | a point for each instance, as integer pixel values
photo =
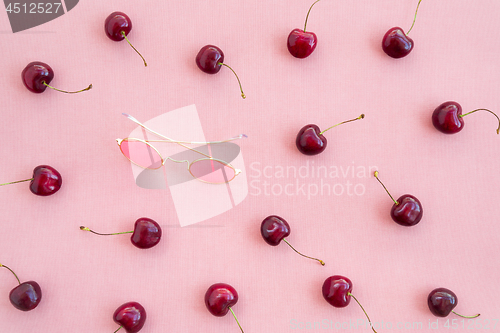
(84, 278)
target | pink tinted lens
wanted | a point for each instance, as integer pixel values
(211, 171)
(141, 154)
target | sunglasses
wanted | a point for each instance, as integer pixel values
(206, 169)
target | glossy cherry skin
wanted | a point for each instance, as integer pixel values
(131, 316)
(147, 233)
(35, 74)
(446, 118)
(46, 180)
(309, 141)
(273, 229)
(209, 59)
(336, 290)
(115, 23)
(396, 43)
(408, 212)
(301, 43)
(219, 297)
(26, 296)
(441, 301)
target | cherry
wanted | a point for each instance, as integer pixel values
(442, 301)
(37, 75)
(407, 210)
(26, 296)
(210, 59)
(146, 233)
(396, 43)
(310, 140)
(447, 118)
(219, 299)
(45, 181)
(337, 292)
(274, 229)
(301, 43)
(131, 316)
(117, 26)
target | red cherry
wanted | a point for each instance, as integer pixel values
(210, 59)
(407, 210)
(442, 301)
(46, 181)
(337, 292)
(448, 118)
(310, 140)
(220, 298)
(274, 229)
(117, 26)
(131, 316)
(26, 296)
(146, 234)
(396, 43)
(301, 43)
(37, 75)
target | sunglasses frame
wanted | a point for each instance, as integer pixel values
(183, 144)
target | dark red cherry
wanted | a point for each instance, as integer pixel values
(34, 74)
(115, 24)
(336, 291)
(310, 141)
(273, 229)
(147, 233)
(46, 180)
(408, 211)
(441, 301)
(26, 296)
(396, 43)
(301, 43)
(210, 59)
(219, 298)
(447, 119)
(131, 316)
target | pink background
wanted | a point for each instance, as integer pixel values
(84, 278)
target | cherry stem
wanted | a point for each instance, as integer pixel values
(11, 272)
(366, 314)
(376, 176)
(67, 92)
(414, 18)
(347, 121)
(118, 329)
(236, 319)
(116, 233)
(320, 261)
(305, 24)
(19, 181)
(129, 43)
(498, 129)
(475, 316)
(241, 89)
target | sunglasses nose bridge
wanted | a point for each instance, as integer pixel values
(119, 141)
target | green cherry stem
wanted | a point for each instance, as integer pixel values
(116, 233)
(416, 11)
(11, 272)
(320, 261)
(129, 43)
(67, 92)
(376, 176)
(236, 319)
(237, 78)
(18, 181)
(366, 314)
(118, 329)
(347, 121)
(470, 317)
(305, 24)
(493, 113)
